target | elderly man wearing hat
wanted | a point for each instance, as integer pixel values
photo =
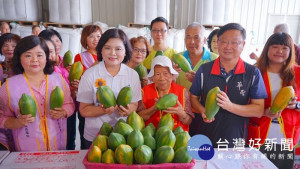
(163, 76)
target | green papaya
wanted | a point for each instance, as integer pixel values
(159, 53)
(68, 58)
(141, 70)
(166, 139)
(119, 121)
(56, 98)
(166, 101)
(123, 128)
(106, 129)
(151, 125)
(182, 156)
(124, 96)
(164, 154)
(182, 140)
(108, 157)
(101, 141)
(106, 96)
(115, 139)
(76, 71)
(143, 155)
(166, 120)
(182, 62)
(160, 131)
(94, 155)
(27, 105)
(135, 139)
(150, 142)
(211, 106)
(135, 121)
(148, 131)
(282, 99)
(178, 130)
(124, 154)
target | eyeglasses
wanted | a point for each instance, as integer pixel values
(137, 50)
(234, 44)
(159, 31)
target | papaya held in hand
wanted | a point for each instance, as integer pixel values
(282, 99)
(68, 58)
(124, 96)
(27, 105)
(159, 53)
(211, 106)
(166, 101)
(141, 70)
(106, 96)
(75, 71)
(56, 98)
(182, 62)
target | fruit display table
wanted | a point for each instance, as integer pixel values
(73, 159)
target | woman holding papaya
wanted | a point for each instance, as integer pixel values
(140, 50)
(277, 64)
(54, 42)
(113, 51)
(34, 76)
(163, 75)
(90, 37)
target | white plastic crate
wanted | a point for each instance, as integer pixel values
(21, 10)
(70, 11)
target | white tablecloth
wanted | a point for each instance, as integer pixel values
(233, 159)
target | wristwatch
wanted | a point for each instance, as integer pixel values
(297, 105)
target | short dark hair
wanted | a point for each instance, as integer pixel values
(26, 44)
(34, 26)
(49, 33)
(8, 37)
(232, 26)
(87, 30)
(159, 19)
(114, 33)
(210, 37)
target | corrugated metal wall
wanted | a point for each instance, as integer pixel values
(113, 12)
(257, 16)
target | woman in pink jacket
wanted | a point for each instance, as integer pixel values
(34, 76)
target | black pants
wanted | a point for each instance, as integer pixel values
(71, 131)
(86, 144)
(281, 159)
(81, 129)
(195, 125)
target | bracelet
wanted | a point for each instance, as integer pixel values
(184, 117)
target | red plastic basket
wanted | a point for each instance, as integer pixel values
(90, 165)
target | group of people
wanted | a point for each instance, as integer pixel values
(33, 66)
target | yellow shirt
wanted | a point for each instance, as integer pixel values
(147, 62)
